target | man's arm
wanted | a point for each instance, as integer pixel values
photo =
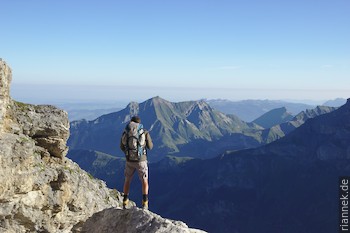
(149, 143)
(121, 145)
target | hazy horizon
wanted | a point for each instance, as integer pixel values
(179, 50)
(53, 94)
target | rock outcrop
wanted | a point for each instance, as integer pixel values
(40, 189)
(6, 76)
(133, 220)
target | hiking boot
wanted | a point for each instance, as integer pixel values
(145, 205)
(125, 203)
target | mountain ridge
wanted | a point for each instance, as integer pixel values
(316, 125)
(171, 125)
(250, 109)
(281, 186)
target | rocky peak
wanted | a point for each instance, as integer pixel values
(204, 106)
(158, 99)
(132, 109)
(155, 102)
(133, 106)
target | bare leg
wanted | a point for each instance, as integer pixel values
(126, 186)
(145, 194)
(145, 186)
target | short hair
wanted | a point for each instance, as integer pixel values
(136, 119)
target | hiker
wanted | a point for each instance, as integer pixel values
(134, 143)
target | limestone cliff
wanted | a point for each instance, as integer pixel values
(40, 189)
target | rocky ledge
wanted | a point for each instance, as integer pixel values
(133, 220)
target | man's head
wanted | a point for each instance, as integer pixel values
(136, 119)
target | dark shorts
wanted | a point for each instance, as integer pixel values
(140, 167)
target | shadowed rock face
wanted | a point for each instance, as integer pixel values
(274, 117)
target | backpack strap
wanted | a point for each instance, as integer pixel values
(139, 146)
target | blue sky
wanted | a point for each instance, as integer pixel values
(177, 49)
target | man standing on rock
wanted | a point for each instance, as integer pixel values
(134, 143)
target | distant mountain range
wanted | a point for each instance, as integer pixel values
(290, 185)
(79, 114)
(186, 129)
(249, 110)
(190, 128)
(243, 109)
(335, 103)
(280, 130)
(89, 110)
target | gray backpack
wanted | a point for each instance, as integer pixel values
(134, 140)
